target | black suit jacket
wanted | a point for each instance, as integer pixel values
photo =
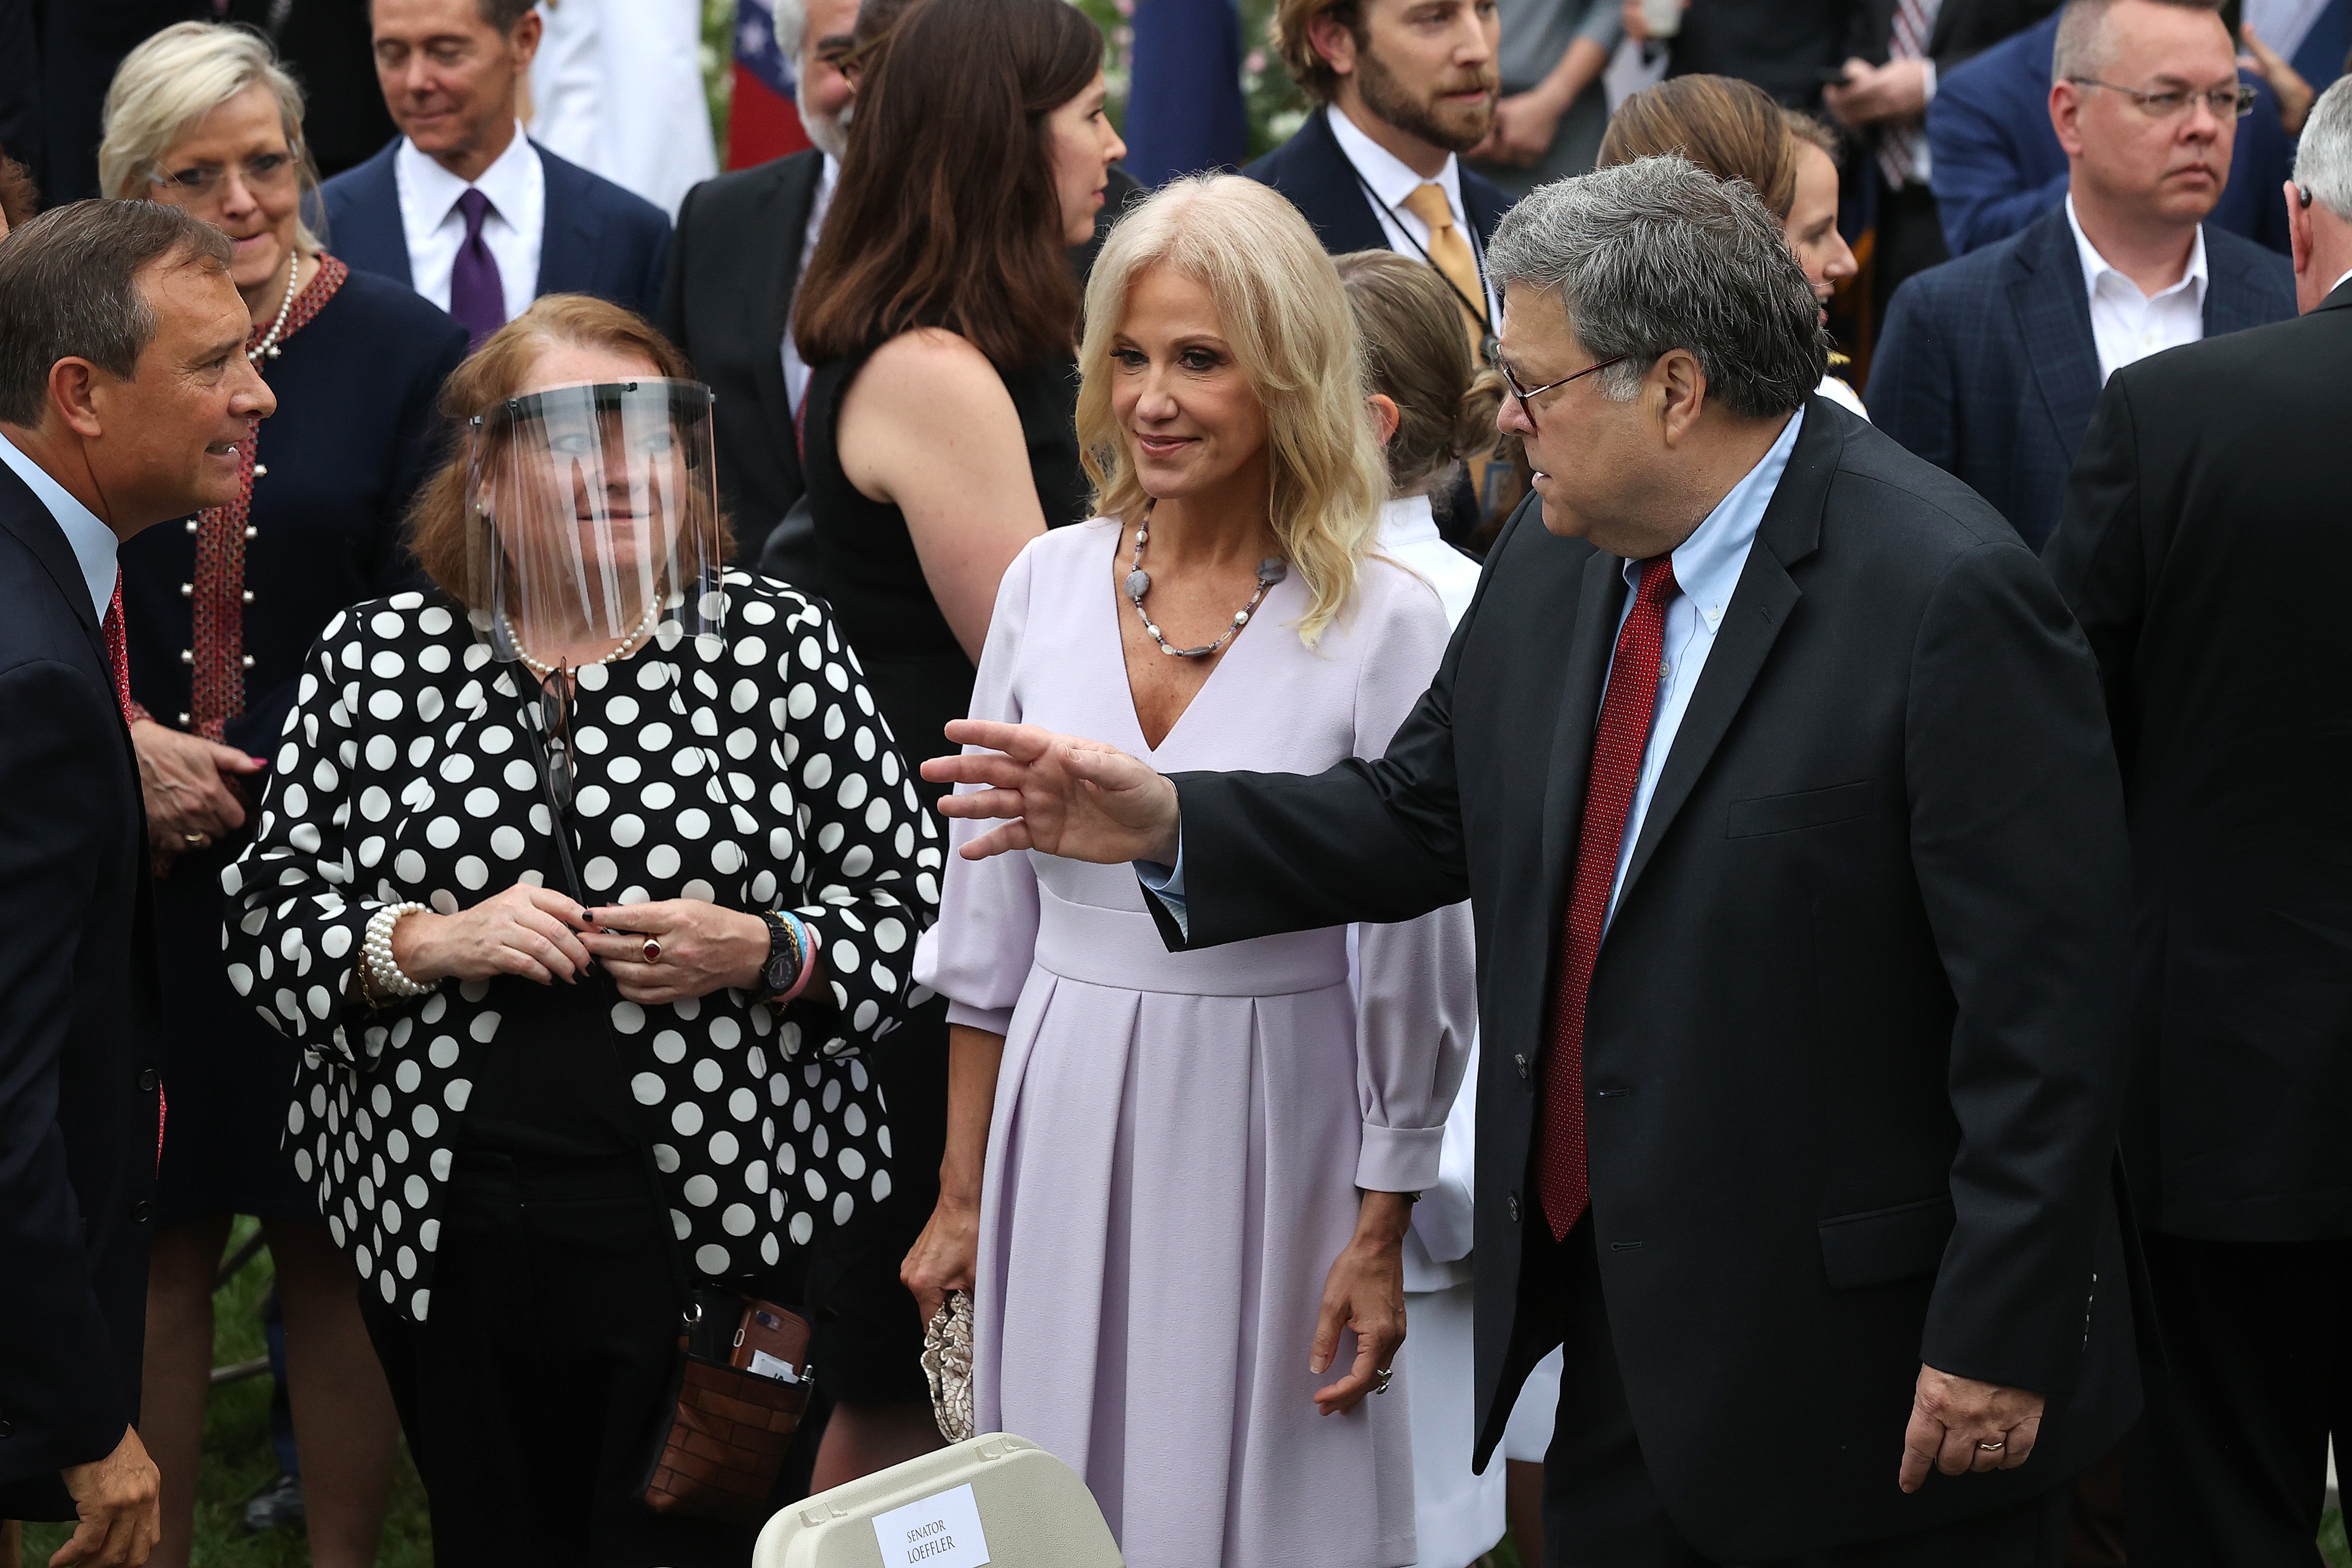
(1853, 1039)
(78, 1027)
(1315, 173)
(1781, 46)
(733, 267)
(597, 238)
(1987, 369)
(2204, 549)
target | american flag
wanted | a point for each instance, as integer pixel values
(762, 119)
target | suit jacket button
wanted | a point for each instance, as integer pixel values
(147, 1080)
(1511, 1208)
(1521, 1062)
(140, 1211)
(7, 1429)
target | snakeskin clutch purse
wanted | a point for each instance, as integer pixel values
(947, 1365)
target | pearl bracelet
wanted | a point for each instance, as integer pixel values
(384, 975)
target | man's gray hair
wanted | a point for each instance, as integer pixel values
(1658, 255)
(2084, 47)
(2322, 160)
(69, 290)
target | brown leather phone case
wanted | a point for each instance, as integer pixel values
(730, 1426)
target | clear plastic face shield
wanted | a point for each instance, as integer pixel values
(596, 513)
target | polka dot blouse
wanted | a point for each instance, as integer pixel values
(755, 774)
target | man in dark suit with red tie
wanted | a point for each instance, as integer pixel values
(1777, 778)
(124, 395)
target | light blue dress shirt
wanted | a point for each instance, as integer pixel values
(1707, 570)
(93, 542)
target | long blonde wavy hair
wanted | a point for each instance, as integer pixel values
(1279, 302)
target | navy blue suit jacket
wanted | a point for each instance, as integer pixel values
(1312, 171)
(1987, 367)
(78, 1027)
(597, 239)
(1998, 165)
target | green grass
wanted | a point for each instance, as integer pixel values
(238, 1457)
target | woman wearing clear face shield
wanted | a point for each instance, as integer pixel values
(582, 881)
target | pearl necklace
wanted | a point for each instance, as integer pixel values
(1270, 571)
(268, 344)
(627, 645)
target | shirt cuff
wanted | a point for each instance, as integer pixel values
(1400, 1159)
(1930, 84)
(1166, 884)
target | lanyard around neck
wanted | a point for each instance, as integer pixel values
(1478, 307)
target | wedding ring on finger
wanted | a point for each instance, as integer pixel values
(196, 841)
(652, 951)
(1991, 1447)
(1381, 1378)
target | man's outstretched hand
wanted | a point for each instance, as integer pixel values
(1056, 793)
(1959, 1424)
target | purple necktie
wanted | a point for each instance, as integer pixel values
(476, 297)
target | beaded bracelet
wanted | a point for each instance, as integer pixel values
(383, 977)
(804, 935)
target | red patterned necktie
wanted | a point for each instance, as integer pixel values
(115, 659)
(1627, 711)
(1903, 149)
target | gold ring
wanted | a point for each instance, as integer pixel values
(1992, 1447)
(652, 951)
(195, 841)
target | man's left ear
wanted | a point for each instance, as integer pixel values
(1385, 417)
(1682, 394)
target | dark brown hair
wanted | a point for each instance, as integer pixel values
(947, 213)
(1733, 130)
(1416, 353)
(1310, 70)
(69, 290)
(18, 200)
(495, 373)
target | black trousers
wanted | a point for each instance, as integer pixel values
(531, 1393)
(1600, 1509)
(2230, 1463)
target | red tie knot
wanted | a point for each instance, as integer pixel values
(1658, 583)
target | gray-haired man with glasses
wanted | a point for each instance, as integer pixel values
(1777, 778)
(1990, 366)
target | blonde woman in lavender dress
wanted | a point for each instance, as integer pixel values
(1179, 1184)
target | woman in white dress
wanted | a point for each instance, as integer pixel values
(1179, 1184)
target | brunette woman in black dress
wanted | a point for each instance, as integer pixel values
(940, 314)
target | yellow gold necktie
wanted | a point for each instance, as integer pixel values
(1449, 252)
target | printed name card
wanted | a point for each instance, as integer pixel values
(942, 1531)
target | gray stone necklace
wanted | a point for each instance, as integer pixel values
(1270, 571)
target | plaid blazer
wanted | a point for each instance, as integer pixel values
(1987, 367)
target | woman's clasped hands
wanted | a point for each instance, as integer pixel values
(665, 951)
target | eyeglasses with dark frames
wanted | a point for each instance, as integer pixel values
(555, 725)
(2226, 103)
(1524, 394)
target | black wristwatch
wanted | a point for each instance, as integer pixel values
(784, 958)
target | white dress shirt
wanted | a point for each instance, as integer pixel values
(1707, 570)
(516, 184)
(616, 88)
(92, 542)
(2128, 325)
(1408, 536)
(796, 373)
(1391, 181)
